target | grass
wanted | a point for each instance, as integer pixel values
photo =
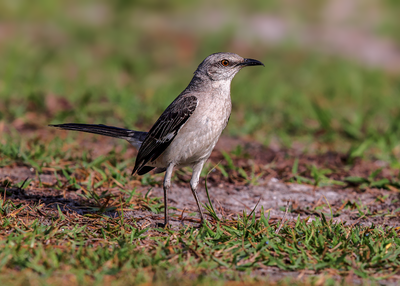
(53, 243)
(61, 63)
(99, 240)
(105, 76)
(88, 248)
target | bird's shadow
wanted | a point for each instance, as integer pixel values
(79, 206)
(47, 206)
(49, 202)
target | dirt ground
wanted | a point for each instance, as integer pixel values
(230, 196)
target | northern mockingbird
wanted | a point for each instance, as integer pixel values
(187, 131)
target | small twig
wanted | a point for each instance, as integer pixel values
(221, 211)
(351, 227)
(182, 218)
(317, 203)
(336, 247)
(283, 220)
(254, 208)
(243, 204)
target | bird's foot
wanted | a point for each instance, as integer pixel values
(162, 225)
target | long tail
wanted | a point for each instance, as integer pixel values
(134, 137)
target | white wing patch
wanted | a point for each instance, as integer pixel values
(167, 137)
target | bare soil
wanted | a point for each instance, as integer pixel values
(233, 195)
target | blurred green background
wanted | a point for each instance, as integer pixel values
(330, 83)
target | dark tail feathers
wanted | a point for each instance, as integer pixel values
(134, 137)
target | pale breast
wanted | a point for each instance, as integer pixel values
(198, 136)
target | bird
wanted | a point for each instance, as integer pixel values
(186, 132)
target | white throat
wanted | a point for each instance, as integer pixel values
(223, 86)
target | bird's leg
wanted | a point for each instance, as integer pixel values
(166, 187)
(194, 182)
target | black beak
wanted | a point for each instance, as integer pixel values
(251, 62)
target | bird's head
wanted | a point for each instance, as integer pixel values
(224, 66)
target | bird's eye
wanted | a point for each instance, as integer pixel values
(225, 63)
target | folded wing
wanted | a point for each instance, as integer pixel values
(164, 131)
